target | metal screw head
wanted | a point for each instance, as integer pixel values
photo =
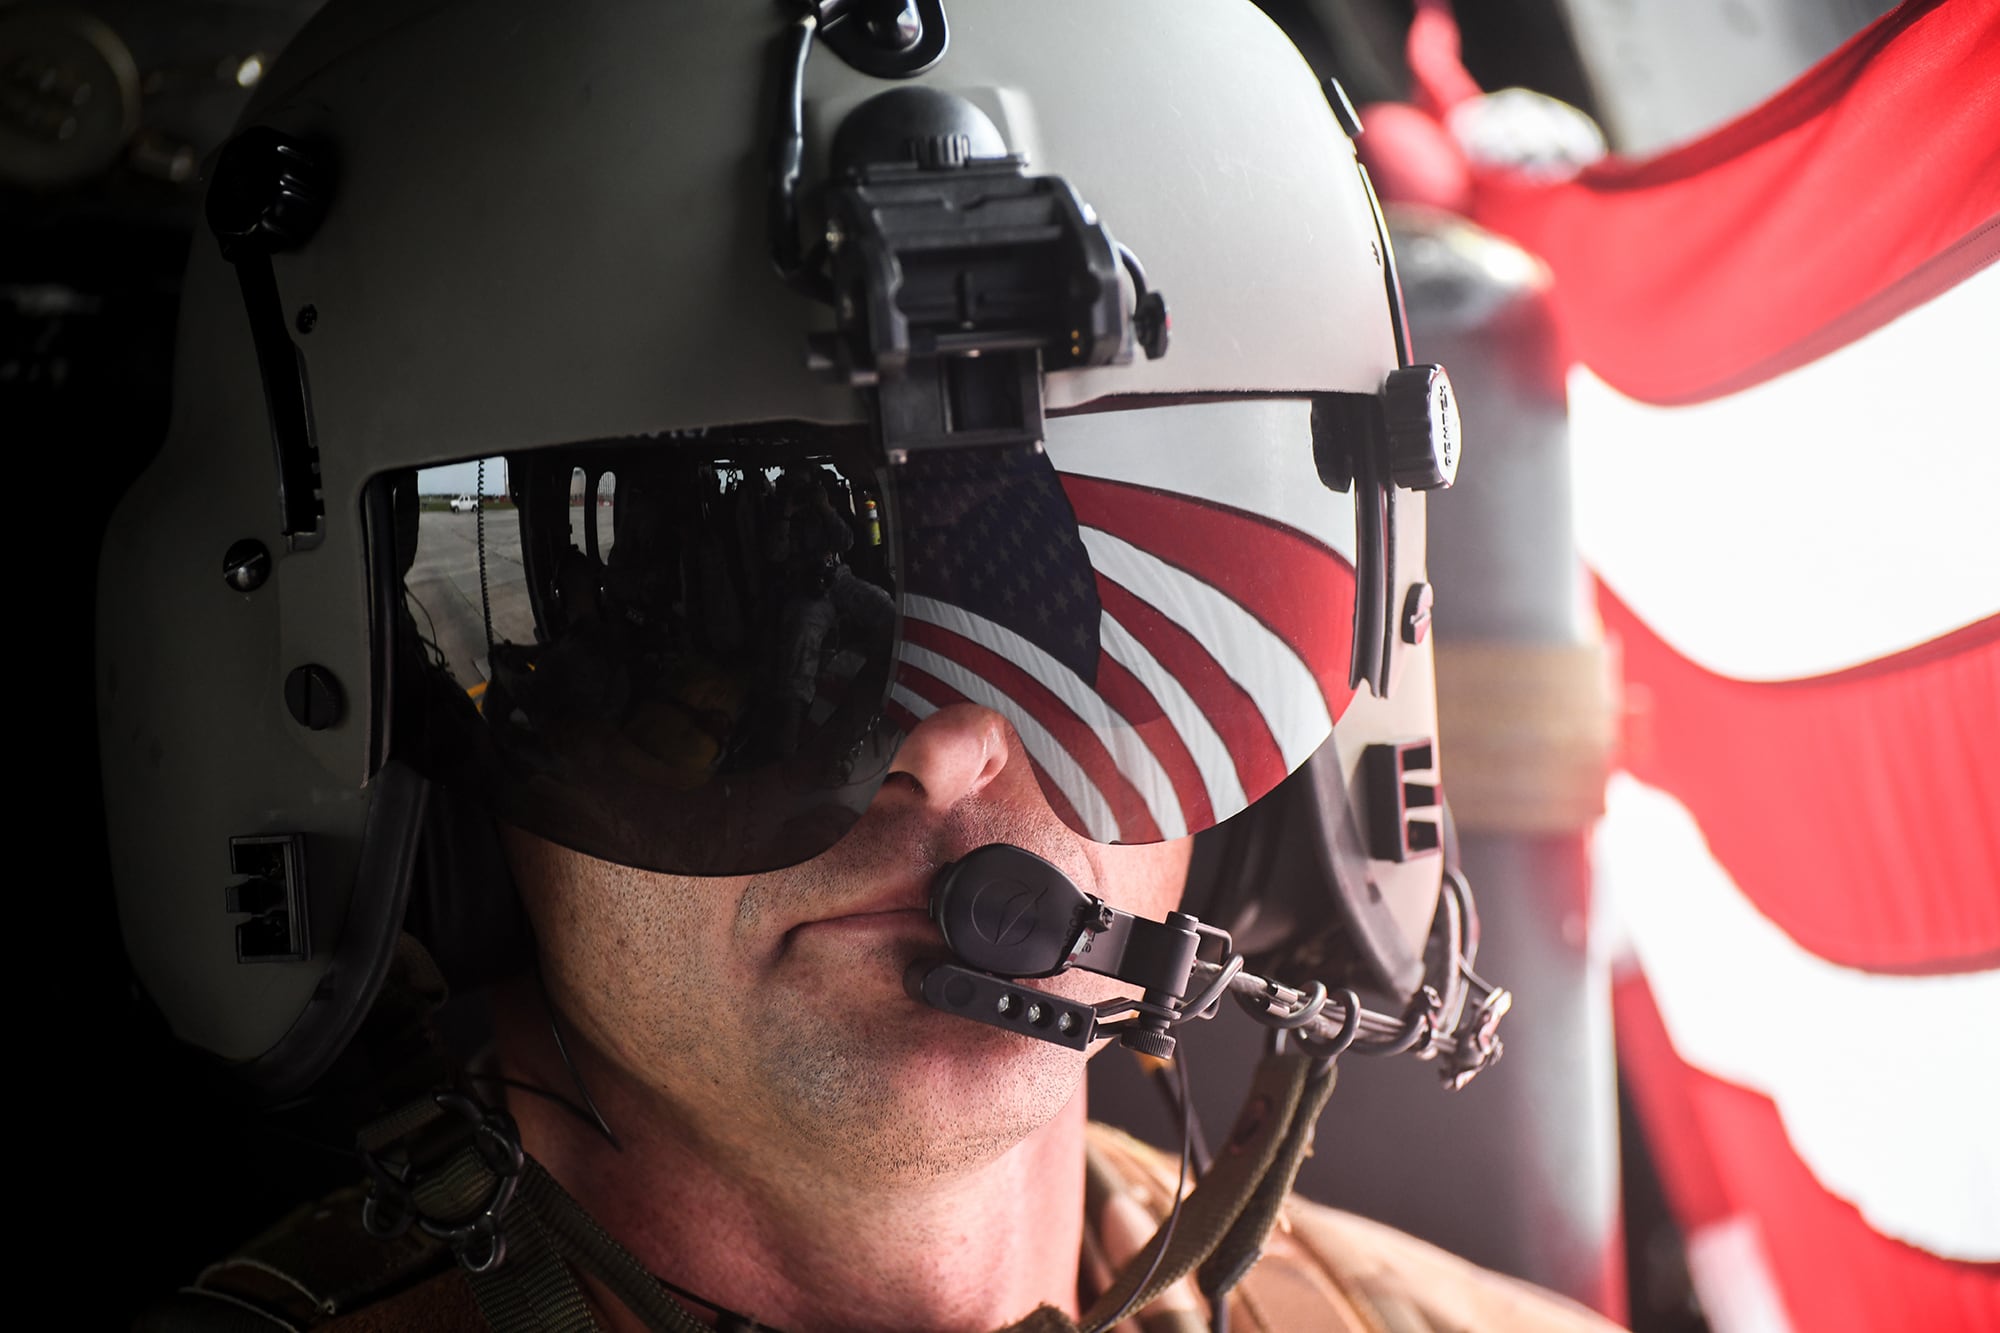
(246, 564)
(895, 25)
(314, 697)
(308, 317)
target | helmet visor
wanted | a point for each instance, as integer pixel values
(700, 655)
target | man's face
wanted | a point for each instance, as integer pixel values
(762, 1012)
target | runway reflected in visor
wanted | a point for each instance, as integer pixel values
(670, 654)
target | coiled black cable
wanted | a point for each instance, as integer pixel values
(479, 536)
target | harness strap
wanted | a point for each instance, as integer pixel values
(1236, 1203)
(456, 1170)
(531, 1285)
(577, 1237)
(531, 1290)
(1244, 1242)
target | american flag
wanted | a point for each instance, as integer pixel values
(1804, 824)
(1165, 658)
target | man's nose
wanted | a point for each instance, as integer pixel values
(954, 753)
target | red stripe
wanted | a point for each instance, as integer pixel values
(1235, 716)
(1723, 1153)
(1122, 690)
(1072, 733)
(1855, 809)
(1302, 590)
(1053, 794)
(1897, 134)
(939, 694)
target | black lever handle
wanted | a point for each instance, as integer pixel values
(269, 193)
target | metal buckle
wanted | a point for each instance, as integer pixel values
(391, 1206)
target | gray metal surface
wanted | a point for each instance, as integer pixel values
(1666, 73)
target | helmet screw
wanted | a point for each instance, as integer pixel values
(314, 697)
(246, 564)
(307, 319)
(895, 25)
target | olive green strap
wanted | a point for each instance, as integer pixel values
(1266, 1143)
(1244, 1241)
(531, 1290)
(1221, 1226)
(577, 1237)
(459, 1169)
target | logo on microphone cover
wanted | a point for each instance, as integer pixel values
(1004, 911)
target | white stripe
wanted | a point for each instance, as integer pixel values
(1730, 1267)
(1834, 515)
(1886, 1084)
(1253, 455)
(920, 707)
(1211, 756)
(1275, 677)
(1069, 777)
(1140, 766)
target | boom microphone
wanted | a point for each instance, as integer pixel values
(1008, 915)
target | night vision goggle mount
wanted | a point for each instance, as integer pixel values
(956, 278)
(957, 285)
(1008, 915)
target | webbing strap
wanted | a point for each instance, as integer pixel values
(578, 1238)
(1244, 1241)
(531, 1290)
(1267, 1141)
(1221, 1227)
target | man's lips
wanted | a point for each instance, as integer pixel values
(890, 918)
(895, 900)
(885, 916)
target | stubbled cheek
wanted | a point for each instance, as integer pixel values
(1145, 880)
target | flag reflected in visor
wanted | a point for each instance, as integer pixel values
(1165, 656)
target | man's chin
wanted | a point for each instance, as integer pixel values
(891, 1089)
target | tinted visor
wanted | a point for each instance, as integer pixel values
(700, 655)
